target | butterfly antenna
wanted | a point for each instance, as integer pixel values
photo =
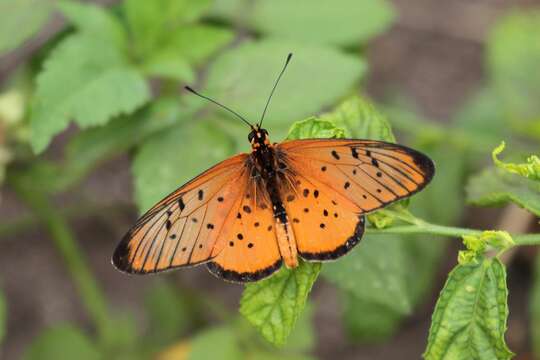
(274, 88)
(218, 104)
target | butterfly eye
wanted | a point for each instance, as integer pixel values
(251, 136)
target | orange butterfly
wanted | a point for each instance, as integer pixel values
(247, 215)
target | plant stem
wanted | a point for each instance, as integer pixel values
(87, 286)
(423, 227)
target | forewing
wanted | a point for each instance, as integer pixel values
(185, 227)
(371, 174)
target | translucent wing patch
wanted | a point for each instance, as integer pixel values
(371, 174)
(185, 227)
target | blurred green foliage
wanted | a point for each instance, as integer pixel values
(341, 22)
(20, 20)
(115, 74)
(62, 342)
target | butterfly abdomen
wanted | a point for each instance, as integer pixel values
(271, 169)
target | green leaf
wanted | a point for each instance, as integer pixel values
(87, 149)
(217, 343)
(86, 79)
(341, 22)
(152, 22)
(62, 342)
(469, 320)
(495, 187)
(100, 143)
(530, 169)
(316, 78)
(20, 19)
(169, 66)
(513, 54)
(168, 160)
(3, 316)
(197, 42)
(315, 128)
(360, 119)
(273, 305)
(93, 20)
(186, 47)
(377, 264)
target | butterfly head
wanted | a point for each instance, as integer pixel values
(258, 137)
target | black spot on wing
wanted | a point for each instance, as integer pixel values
(181, 204)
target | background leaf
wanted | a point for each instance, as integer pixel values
(62, 342)
(513, 54)
(185, 47)
(85, 79)
(469, 320)
(496, 187)
(20, 19)
(316, 78)
(273, 305)
(368, 321)
(168, 160)
(483, 120)
(340, 22)
(197, 42)
(377, 263)
(152, 22)
(360, 120)
(217, 343)
(94, 20)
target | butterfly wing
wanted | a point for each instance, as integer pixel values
(185, 227)
(251, 250)
(339, 180)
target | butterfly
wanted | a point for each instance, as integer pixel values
(248, 215)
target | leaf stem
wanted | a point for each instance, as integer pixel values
(424, 227)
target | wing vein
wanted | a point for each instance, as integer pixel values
(198, 234)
